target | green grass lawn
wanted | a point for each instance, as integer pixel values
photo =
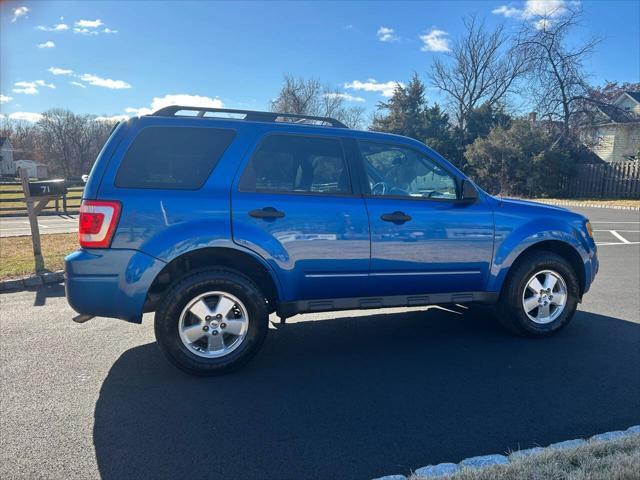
(16, 253)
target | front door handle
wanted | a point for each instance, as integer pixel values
(395, 217)
(266, 212)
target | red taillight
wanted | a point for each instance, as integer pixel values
(97, 223)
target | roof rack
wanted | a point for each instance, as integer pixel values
(250, 115)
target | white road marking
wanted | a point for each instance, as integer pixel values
(619, 237)
(614, 222)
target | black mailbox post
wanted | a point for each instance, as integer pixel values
(47, 188)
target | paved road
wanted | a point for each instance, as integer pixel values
(16, 226)
(362, 395)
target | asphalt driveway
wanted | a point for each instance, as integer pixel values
(362, 395)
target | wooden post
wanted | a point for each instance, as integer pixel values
(33, 210)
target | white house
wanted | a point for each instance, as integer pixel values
(7, 165)
(34, 169)
(618, 130)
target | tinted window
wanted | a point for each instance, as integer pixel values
(292, 163)
(398, 171)
(179, 158)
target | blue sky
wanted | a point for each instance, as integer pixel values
(114, 58)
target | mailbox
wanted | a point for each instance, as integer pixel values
(47, 188)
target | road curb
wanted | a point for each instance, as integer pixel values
(480, 462)
(31, 282)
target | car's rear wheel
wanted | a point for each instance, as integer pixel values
(211, 322)
(540, 295)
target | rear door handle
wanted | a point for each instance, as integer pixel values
(395, 217)
(266, 212)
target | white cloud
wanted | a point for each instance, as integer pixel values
(5, 98)
(534, 9)
(435, 41)
(25, 116)
(508, 12)
(85, 31)
(104, 82)
(78, 84)
(19, 12)
(31, 88)
(344, 96)
(542, 24)
(42, 83)
(545, 8)
(386, 34)
(114, 118)
(55, 28)
(47, 44)
(108, 30)
(60, 71)
(89, 23)
(176, 99)
(371, 85)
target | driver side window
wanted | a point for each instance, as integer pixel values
(398, 171)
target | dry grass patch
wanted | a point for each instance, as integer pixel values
(16, 253)
(613, 460)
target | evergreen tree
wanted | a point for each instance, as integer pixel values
(407, 113)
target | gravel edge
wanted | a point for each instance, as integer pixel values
(32, 281)
(574, 203)
(436, 471)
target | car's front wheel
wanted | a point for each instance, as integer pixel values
(540, 295)
(211, 322)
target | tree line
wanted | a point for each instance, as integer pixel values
(487, 80)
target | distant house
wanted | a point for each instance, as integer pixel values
(7, 165)
(34, 169)
(618, 129)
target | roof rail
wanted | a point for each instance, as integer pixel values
(250, 115)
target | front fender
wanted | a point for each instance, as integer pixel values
(511, 243)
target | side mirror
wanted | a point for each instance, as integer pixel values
(469, 192)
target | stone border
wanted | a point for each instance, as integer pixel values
(436, 471)
(32, 281)
(575, 203)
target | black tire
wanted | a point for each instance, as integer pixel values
(187, 288)
(510, 309)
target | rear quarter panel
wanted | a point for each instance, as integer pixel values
(168, 223)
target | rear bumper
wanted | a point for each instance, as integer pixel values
(110, 282)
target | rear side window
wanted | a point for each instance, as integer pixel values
(295, 163)
(172, 158)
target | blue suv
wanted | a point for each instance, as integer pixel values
(215, 218)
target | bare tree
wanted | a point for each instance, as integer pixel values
(25, 139)
(557, 77)
(311, 97)
(482, 69)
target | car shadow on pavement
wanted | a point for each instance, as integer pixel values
(367, 396)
